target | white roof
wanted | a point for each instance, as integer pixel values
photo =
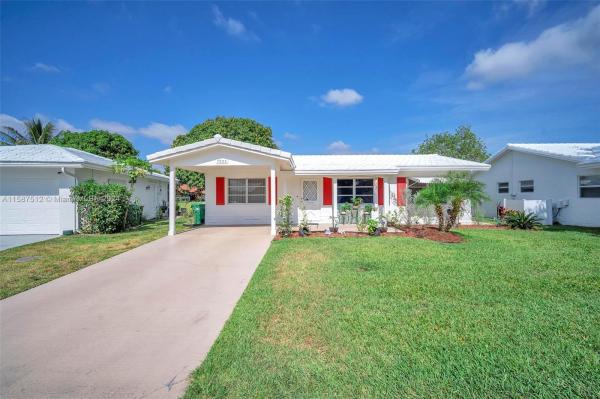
(332, 164)
(53, 155)
(575, 152)
(218, 139)
(381, 163)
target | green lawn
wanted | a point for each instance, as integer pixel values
(504, 314)
(67, 254)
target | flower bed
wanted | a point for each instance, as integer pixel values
(428, 233)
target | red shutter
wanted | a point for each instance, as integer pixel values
(269, 186)
(220, 188)
(380, 191)
(400, 190)
(327, 191)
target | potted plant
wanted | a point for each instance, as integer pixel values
(304, 227)
(345, 210)
(367, 211)
(373, 227)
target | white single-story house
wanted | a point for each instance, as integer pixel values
(244, 181)
(35, 182)
(558, 182)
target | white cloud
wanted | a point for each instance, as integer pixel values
(338, 147)
(162, 132)
(10, 121)
(168, 89)
(101, 87)
(59, 124)
(290, 136)
(62, 124)
(41, 67)
(341, 97)
(573, 43)
(112, 126)
(232, 27)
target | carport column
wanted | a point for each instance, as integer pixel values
(273, 200)
(172, 204)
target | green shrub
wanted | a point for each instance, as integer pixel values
(134, 215)
(101, 207)
(522, 220)
(284, 216)
(372, 226)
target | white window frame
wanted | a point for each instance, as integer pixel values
(354, 187)
(579, 186)
(316, 183)
(246, 195)
(507, 187)
(532, 185)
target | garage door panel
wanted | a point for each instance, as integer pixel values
(29, 205)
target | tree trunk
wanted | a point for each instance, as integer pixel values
(439, 211)
(454, 212)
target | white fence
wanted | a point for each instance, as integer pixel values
(540, 208)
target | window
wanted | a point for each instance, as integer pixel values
(309, 190)
(503, 187)
(589, 186)
(526, 186)
(247, 191)
(349, 188)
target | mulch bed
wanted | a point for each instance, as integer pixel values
(428, 233)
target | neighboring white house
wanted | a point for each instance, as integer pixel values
(35, 182)
(561, 181)
(243, 181)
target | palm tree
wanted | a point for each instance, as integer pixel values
(436, 194)
(36, 132)
(462, 187)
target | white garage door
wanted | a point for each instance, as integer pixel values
(29, 205)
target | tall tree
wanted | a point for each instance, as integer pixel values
(242, 129)
(99, 142)
(462, 144)
(36, 132)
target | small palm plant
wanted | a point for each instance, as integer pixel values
(463, 188)
(522, 220)
(436, 195)
(35, 132)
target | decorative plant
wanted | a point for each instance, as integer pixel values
(334, 224)
(102, 207)
(361, 226)
(463, 187)
(345, 210)
(284, 216)
(134, 168)
(522, 220)
(304, 226)
(357, 201)
(436, 195)
(373, 227)
(368, 208)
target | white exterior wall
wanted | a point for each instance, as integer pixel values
(234, 214)
(554, 180)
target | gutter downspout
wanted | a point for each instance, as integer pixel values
(63, 170)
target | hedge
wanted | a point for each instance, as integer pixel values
(102, 207)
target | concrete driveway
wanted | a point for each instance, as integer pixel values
(133, 326)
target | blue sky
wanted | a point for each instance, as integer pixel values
(326, 77)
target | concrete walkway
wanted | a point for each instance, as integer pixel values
(133, 326)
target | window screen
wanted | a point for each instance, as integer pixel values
(503, 187)
(526, 186)
(247, 191)
(309, 190)
(589, 186)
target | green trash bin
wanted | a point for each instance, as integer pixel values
(198, 209)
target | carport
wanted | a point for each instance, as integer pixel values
(240, 179)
